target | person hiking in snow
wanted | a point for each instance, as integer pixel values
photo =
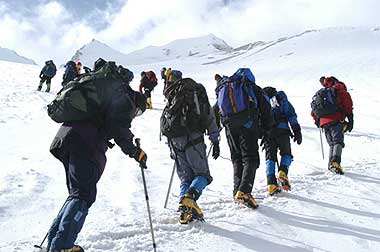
(284, 115)
(184, 121)
(244, 110)
(47, 73)
(70, 72)
(147, 83)
(331, 105)
(81, 147)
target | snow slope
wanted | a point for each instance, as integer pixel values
(323, 212)
(9, 55)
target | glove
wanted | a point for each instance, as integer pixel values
(215, 150)
(297, 136)
(140, 156)
(350, 125)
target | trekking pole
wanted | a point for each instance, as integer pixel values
(320, 136)
(170, 186)
(137, 141)
(40, 246)
(209, 151)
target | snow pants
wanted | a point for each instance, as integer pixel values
(282, 143)
(82, 175)
(245, 157)
(335, 138)
(48, 83)
(191, 162)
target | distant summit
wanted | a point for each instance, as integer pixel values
(182, 48)
(90, 52)
(10, 55)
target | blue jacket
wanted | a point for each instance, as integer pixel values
(283, 112)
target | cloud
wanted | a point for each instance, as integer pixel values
(55, 29)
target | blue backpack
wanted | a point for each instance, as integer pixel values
(236, 100)
(177, 75)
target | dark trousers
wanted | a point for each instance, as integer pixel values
(48, 82)
(147, 93)
(335, 138)
(245, 157)
(280, 142)
(82, 175)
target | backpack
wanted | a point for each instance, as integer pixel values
(83, 98)
(177, 75)
(151, 76)
(187, 109)
(50, 69)
(324, 102)
(236, 99)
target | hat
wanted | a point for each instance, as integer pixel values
(217, 77)
(270, 91)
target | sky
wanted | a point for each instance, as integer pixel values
(45, 29)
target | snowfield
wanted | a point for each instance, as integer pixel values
(323, 212)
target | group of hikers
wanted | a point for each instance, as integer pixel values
(244, 110)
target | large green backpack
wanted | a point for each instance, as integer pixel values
(187, 109)
(84, 97)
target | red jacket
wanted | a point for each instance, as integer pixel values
(344, 103)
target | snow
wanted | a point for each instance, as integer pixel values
(177, 49)
(9, 55)
(323, 212)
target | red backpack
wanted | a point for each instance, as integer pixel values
(151, 76)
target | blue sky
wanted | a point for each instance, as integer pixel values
(42, 29)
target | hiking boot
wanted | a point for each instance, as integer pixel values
(284, 181)
(149, 103)
(39, 88)
(76, 248)
(185, 216)
(189, 208)
(246, 199)
(336, 168)
(273, 189)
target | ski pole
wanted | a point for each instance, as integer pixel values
(320, 136)
(40, 246)
(170, 186)
(137, 141)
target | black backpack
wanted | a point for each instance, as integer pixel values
(324, 102)
(187, 109)
(84, 97)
